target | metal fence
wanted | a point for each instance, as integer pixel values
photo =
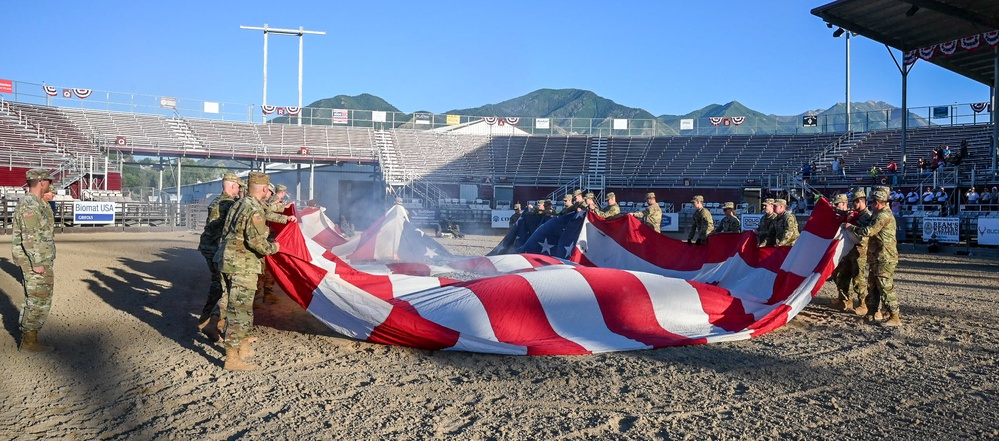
(943, 115)
(129, 216)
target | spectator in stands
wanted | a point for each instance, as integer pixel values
(927, 196)
(896, 198)
(806, 172)
(963, 153)
(986, 197)
(892, 169)
(972, 196)
(995, 196)
(912, 198)
(922, 166)
(941, 198)
(948, 155)
(875, 172)
(837, 166)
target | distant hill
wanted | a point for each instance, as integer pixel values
(595, 113)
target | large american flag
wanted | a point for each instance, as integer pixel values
(580, 284)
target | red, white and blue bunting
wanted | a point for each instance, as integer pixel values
(492, 120)
(738, 120)
(625, 287)
(293, 110)
(949, 48)
(82, 93)
(980, 107)
(50, 90)
(267, 109)
(715, 120)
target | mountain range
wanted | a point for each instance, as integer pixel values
(577, 103)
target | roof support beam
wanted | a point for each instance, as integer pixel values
(987, 23)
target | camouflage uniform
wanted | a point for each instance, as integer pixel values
(851, 274)
(244, 246)
(784, 229)
(729, 223)
(763, 237)
(274, 206)
(882, 257)
(612, 211)
(516, 215)
(33, 245)
(651, 215)
(208, 245)
(702, 224)
(571, 208)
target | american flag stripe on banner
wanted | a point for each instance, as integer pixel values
(631, 289)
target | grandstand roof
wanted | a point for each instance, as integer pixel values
(913, 24)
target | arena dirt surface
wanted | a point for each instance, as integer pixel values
(129, 364)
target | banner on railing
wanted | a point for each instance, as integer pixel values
(453, 120)
(6, 86)
(340, 116)
(542, 123)
(687, 124)
(211, 107)
(988, 231)
(809, 121)
(167, 102)
(751, 222)
(947, 229)
(670, 222)
(93, 213)
(620, 124)
(421, 118)
(378, 116)
(501, 218)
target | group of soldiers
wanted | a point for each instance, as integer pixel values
(702, 224)
(778, 226)
(234, 243)
(867, 273)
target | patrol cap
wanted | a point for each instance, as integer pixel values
(859, 194)
(578, 192)
(38, 173)
(609, 195)
(650, 195)
(880, 195)
(516, 206)
(780, 202)
(590, 195)
(567, 197)
(697, 198)
(841, 198)
(768, 201)
(542, 202)
(728, 206)
(257, 178)
(271, 188)
(280, 187)
(231, 177)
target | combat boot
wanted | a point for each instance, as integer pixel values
(848, 305)
(837, 303)
(212, 328)
(894, 320)
(29, 343)
(245, 351)
(870, 319)
(269, 297)
(861, 310)
(233, 362)
(879, 316)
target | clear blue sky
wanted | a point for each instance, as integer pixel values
(663, 56)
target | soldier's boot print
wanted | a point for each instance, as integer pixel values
(29, 343)
(894, 320)
(233, 362)
(245, 351)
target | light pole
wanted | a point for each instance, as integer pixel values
(836, 34)
(300, 32)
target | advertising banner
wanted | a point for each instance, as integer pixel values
(751, 222)
(501, 218)
(6, 86)
(92, 213)
(686, 124)
(671, 222)
(453, 120)
(988, 231)
(339, 116)
(542, 123)
(947, 229)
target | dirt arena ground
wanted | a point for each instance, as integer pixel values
(129, 364)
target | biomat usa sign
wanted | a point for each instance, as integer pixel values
(93, 212)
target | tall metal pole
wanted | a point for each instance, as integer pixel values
(848, 121)
(301, 42)
(263, 118)
(992, 109)
(905, 113)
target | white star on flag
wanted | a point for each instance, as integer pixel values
(546, 247)
(430, 253)
(568, 251)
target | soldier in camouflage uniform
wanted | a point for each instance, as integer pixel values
(211, 321)
(275, 207)
(841, 204)
(784, 228)
(882, 259)
(652, 215)
(242, 250)
(569, 206)
(578, 201)
(612, 210)
(763, 237)
(543, 209)
(516, 214)
(33, 250)
(701, 224)
(730, 223)
(853, 276)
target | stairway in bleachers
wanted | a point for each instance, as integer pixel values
(598, 165)
(393, 174)
(184, 133)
